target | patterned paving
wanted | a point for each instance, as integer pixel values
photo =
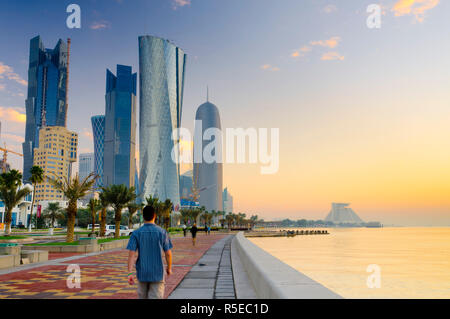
(103, 276)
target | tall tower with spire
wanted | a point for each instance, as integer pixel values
(208, 176)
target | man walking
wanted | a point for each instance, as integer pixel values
(194, 230)
(145, 250)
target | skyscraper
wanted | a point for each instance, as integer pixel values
(56, 152)
(161, 74)
(208, 175)
(186, 185)
(227, 201)
(46, 99)
(86, 165)
(98, 131)
(120, 127)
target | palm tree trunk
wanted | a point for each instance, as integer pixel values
(71, 214)
(93, 222)
(118, 220)
(31, 210)
(8, 221)
(130, 221)
(103, 223)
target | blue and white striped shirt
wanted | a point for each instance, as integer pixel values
(149, 240)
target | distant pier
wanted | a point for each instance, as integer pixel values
(284, 233)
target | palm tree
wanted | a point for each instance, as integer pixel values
(132, 208)
(230, 219)
(194, 214)
(11, 194)
(37, 177)
(93, 206)
(166, 209)
(52, 212)
(119, 196)
(103, 206)
(73, 189)
(185, 215)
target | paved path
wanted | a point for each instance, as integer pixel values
(103, 275)
(211, 277)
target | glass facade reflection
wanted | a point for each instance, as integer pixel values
(161, 75)
(98, 131)
(120, 127)
(46, 99)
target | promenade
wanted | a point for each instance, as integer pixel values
(104, 274)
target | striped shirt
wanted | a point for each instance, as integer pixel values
(149, 240)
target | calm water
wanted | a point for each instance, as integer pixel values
(414, 262)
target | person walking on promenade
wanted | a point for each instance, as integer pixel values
(184, 230)
(209, 230)
(145, 251)
(206, 229)
(194, 231)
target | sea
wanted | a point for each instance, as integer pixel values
(389, 262)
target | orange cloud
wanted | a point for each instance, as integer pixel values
(8, 72)
(301, 52)
(269, 67)
(11, 114)
(329, 56)
(98, 25)
(180, 3)
(330, 43)
(417, 8)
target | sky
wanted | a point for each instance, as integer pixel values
(363, 113)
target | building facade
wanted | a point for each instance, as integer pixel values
(161, 79)
(85, 165)
(186, 185)
(208, 172)
(227, 201)
(46, 97)
(56, 152)
(98, 132)
(120, 127)
(21, 213)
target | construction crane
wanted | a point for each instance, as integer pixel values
(5, 156)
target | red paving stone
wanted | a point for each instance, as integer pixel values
(103, 276)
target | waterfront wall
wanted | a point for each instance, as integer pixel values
(273, 279)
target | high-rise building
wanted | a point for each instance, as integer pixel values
(98, 131)
(161, 79)
(208, 173)
(56, 152)
(85, 165)
(227, 201)
(186, 185)
(46, 99)
(120, 127)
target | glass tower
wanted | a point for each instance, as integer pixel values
(120, 127)
(46, 99)
(161, 74)
(208, 176)
(98, 130)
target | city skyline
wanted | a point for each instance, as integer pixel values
(362, 113)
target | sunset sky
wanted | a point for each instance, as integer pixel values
(364, 114)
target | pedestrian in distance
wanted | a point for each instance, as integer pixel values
(209, 230)
(194, 231)
(184, 230)
(145, 248)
